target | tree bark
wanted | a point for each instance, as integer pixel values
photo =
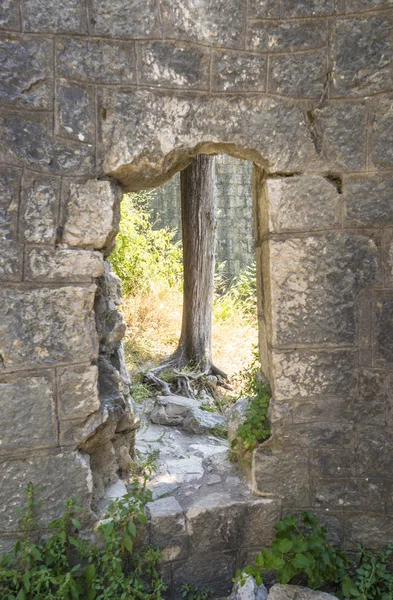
(198, 210)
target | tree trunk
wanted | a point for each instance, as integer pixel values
(198, 211)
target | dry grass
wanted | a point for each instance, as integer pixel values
(153, 330)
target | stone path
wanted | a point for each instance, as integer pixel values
(204, 515)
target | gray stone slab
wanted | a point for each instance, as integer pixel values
(235, 524)
(232, 71)
(40, 205)
(298, 75)
(381, 117)
(315, 283)
(47, 325)
(63, 264)
(258, 123)
(92, 214)
(55, 16)
(383, 333)
(9, 15)
(294, 592)
(10, 250)
(349, 494)
(166, 519)
(361, 56)
(28, 141)
(172, 64)
(215, 571)
(75, 111)
(78, 392)
(220, 23)
(28, 413)
(60, 476)
(305, 203)
(354, 6)
(311, 373)
(96, 61)
(27, 71)
(125, 18)
(286, 36)
(339, 132)
(311, 8)
(368, 200)
(263, 9)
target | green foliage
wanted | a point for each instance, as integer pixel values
(240, 294)
(300, 550)
(256, 428)
(373, 578)
(190, 592)
(144, 255)
(66, 567)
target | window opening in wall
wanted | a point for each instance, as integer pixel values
(186, 413)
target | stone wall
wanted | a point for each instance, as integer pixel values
(103, 95)
(233, 193)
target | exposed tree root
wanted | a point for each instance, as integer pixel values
(182, 382)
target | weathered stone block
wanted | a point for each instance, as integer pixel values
(239, 72)
(371, 406)
(43, 326)
(294, 592)
(364, 5)
(10, 251)
(381, 148)
(305, 203)
(74, 432)
(332, 462)
(172, 64)
(368, 200)
(324, 410)
(298, 75)
(27, 71)
(93, 214)
(78, 392)
(310, 373)
(75, 111)
(314, 286)
(27, 408)
(260, 9)
(383, 349)
(339, 132)
(311, 8)
(9, 15)
(387, 257)
(125, 19)
(355, 494)
(282, 474)
(40, 205)
(375, 451)
(214, 571)
(96, 61)
(313, 435)
(166, 518)
(220, 23)
(372, 531)
(55, 16)
(61, 475)
(28, 141)
(235, 524)
(166, 124)
(286, 36)
(63, 264)
(361, 55)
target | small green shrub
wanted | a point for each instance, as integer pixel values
(144, 255)
(67, 567)
(256, 427)
(373, 578)
(300, 550)
(190, 592)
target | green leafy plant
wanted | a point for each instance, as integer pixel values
(240, 294)
(190, 592)
(256, 428)
(64, 566)
(301, 551)
(144, 255)
(373, 578)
